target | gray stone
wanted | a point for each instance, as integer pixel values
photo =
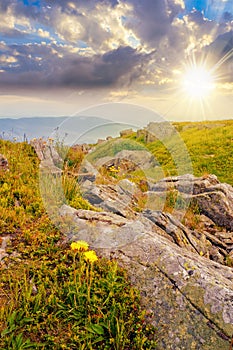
(141, 159)
(3, 163)
(109, 197)
(191, 297)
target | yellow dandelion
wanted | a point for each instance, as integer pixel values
(90, 256)
(80, 246)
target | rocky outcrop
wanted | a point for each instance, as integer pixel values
(190, 298)
(207, 239)
(48, 155)
(3, 163)
(214, 199)
(186, 290)
(114, 198)
(128, 160)
(156, 131)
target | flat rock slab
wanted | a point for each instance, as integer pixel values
(190, 297)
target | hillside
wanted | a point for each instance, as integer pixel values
(55, 295)
(209, 144)
(114, 222)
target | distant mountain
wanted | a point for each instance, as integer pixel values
(71, 129)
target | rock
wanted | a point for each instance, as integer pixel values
(102, 229)
(218, 205)
(128, 187)
(87, 172)
(128, 160)
(156, 131)
(3, 245)
(51, 162)
(110, 197)
(126, 132)
(178, 233)
(46, 152)
(191, 297)
(214, 199)
(3, 163)
(142, 159)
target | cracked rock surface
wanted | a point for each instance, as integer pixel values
(180, 272)
(190, 297)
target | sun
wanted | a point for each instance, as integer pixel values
(198, 82)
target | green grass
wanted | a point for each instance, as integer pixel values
(211, 149)
(51, 297)
(58, 300)
(111, 148)
(209, 145)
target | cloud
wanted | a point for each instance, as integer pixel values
(152, 20)
(101, 43)
(41, 65)
(10, 24)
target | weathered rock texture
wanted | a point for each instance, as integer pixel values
(47, 154)
(129, 160)
(214, 199)
(156, 131)
(189, 296)
(3, 163)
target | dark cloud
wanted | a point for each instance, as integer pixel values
(38, 65)
(153, 19)
(155, 23)
(19, 8)
(227, 16)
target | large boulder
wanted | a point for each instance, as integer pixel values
(128, 160)
(50, 161)
(114, 198)
(189, 297)
(214, 199)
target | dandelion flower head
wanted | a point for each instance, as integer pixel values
(90, 256)
(80, 246)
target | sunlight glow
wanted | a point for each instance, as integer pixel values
(198, 82)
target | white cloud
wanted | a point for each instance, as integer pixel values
(4, 59)
(43, 33)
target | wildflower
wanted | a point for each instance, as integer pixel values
(79, 245)
(114, 170)
(90, 256)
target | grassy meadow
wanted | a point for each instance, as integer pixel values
(57, 296)
(209, 145)
(54, 295)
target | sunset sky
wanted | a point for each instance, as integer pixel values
(59, 57)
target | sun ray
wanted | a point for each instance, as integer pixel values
(223, 59)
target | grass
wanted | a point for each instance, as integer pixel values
(58, 299)
(111, 148)
(209, 145)
(53, 297)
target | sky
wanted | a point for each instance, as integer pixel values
(62, 58)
